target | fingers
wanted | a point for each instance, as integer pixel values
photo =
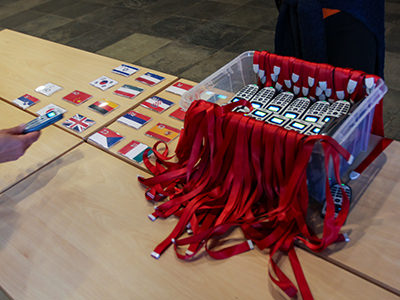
(14, 130)
(29, 138)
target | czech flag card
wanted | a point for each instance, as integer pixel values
(134, 119)
(103, 107)
(150, 79)
(163, 132)
(134, 150)
(26, 101)
(106, 138)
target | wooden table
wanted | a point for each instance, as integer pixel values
(78, 229)
(52, 144)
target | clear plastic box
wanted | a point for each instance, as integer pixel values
(353, 134)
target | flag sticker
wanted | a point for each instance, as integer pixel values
(103, 83)
(125, 70)
(179, 88)
(163, 132)
(157, 104)
(106, 138)
(103, 107)
(128, 91)
(48, 89)
(134, 151)
(26, 101)
(134, 119)
(150, 79)
(77, 97)
(178, 114)
(78, 123)
(49, 108)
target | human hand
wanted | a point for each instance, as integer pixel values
(13, 143)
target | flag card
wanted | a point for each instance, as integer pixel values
(49, 108)
(103, 83)
(26, 101)
(179, 88)
(157, 104)
(77, 97)
(134, 151)
(106, 138)
(128, 91)
(178, 114)
(163, 132)
(134, 119)
(150, 79)
(78, 123)
(125, 70)
(48, 89)
(103, 106)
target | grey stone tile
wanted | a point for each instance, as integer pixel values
(40, 25)
(67, 32)
(5, 2)
(255, 40)
(134, 47)
(239, 2)
(175, 27)
(208, 66)
(76, 10)
(18, 6)
(107, 2)
(271, 20)
(174, 58)
(95, 40)
(392, 70)
(170, 6)
(263, 3)
(53, 5)
(209, 10)
(393, 39)
(105, 16)
(20, 18)
(391, 105)
(215, 35)
(248, 16)
(136, 4)
(392, 129)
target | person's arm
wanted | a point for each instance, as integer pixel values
(13, 143)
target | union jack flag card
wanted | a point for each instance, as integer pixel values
(125, 70)
(179, 88)
(128, 91)
(49, 108)
(104, 83)
(134, 119)
(78, 123)
(103, 107)
(134, 151)
(26, 101)
(157, 104)
(77, 97)
(150, 79)
(163, 132)
(106, 138)
(48, 89)
(178, 114)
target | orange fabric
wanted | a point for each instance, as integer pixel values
(327, 12)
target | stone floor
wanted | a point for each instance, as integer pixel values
(190, 39)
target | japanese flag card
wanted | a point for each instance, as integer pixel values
(49, 108)
(150, 78)
(103, 106)
(128, 91)
(26, 101)
(104, 83)
(77, 97)
(78, 123)
(125, 70)
(178, 114)
(179, 88)
(135, 150)
(106, 138)
(134, 119)
(163, 132)
(157, 104)
(48, 89)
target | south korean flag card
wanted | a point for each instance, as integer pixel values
(26, 101)
(106, 138)
(48, 89)
(49, 108)
(134, 151)
(157, 104)
(103, 83)
(125, 70)
(134, 119)
(179, 88)
(77, 97)
(150, 79)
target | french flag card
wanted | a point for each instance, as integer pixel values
(134, 119)
(150, 79)
(179, 88)
(106, 138)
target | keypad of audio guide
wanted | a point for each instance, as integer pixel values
(297, 108)
(316, 112)
(337, 109)
(280, 102)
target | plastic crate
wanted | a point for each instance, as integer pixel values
(353, 134)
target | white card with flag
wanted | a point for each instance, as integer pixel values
(135, 150)
(125, 70)
(49, 108)
(128, 91)
(179, 88)
(150, 78)
(134, 119)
